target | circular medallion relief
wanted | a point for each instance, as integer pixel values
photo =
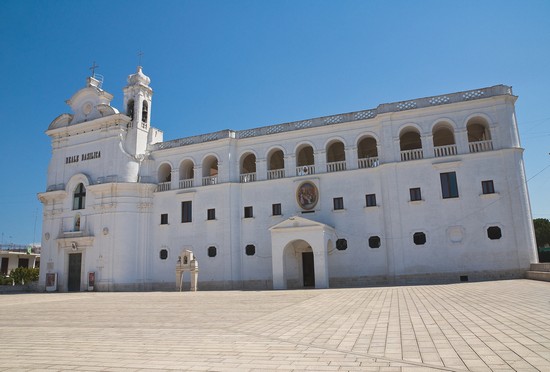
(307, 195)
(87, 108)
(47, 236)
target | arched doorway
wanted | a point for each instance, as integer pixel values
(299, 265)
(299, 253)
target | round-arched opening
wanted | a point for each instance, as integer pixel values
(366, 148)
(304, 156)
(336, 152)
(298, 264)
(276, 160)
(443, 135)
(165, 173)
(248, 163)
(478, 130)
(410, 139)
(210, 166)
(187, 170)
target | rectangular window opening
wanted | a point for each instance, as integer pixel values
(164, 219)
(186, 212)
(338, 203)
(211, 214)
(449, 186)
(488, 187)
(415, 193)
(370, 200)
(276, 209)
(248, 212)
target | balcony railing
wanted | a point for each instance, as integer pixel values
(446, 150)
(275, 174)
(248, 177)
(210, 180)
(481, 146)
(336, 166)
(304, 170)
(163, 186)
(414, 154)
(368, 162)
(185, 184)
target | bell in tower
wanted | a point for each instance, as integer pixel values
(137, 102)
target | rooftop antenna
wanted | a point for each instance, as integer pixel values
(98, 77)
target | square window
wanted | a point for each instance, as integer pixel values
(338, 203)
(211, 214)
(449, 187)
(186, 212)
(488, 187)
(250, 250)
(415, 194)
(248, 212)
(276, 209)
(212, 251)
(370, 200)
(164, 219)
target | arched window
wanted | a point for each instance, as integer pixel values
(187, 174)
(210, 171)
(276, 163)
(410, 144)
(443, 140)
(130, 109)
(164, 177)
(336, 157)
(305, 161)
(79, 197)
(367, 152)
(145, 113)
(479, 136)
(248, 168)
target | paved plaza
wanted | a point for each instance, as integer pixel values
(487, 326)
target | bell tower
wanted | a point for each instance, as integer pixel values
(137, 103)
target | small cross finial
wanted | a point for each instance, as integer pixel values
(94, 66)
(140, 53)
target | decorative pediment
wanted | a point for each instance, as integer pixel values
(296, 222)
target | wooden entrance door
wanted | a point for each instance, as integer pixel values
(75, 262)
(308, 269)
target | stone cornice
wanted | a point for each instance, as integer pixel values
(88, 126)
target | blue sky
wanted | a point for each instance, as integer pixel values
(243, 64)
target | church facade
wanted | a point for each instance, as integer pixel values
(425, 190)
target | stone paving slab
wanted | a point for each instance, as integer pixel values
(488, 326)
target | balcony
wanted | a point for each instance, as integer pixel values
(447, 150)
(336, 166)
(368, 162)
(305, 170)
(481, 146)
(210, 180)
(275, 174)
(414, 154)
(163, 186)
(248, 177)
(185, 184)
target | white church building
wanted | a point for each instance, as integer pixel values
(426, 190)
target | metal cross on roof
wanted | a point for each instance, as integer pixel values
(94, 66)
(140, 53)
